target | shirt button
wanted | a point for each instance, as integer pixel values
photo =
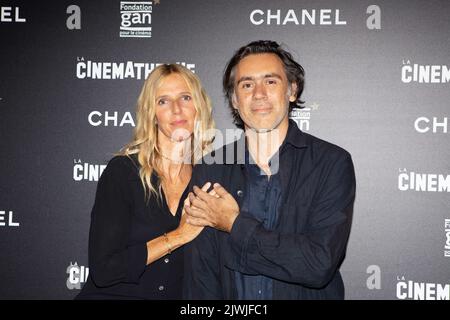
(166, 260)
(161, 288)
(240, 193)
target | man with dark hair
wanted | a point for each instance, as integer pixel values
(279, 217)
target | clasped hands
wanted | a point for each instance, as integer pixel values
(216, 208)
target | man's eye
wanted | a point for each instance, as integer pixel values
(271, 81)
(246, 85)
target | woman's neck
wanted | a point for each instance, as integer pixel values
(175, 158)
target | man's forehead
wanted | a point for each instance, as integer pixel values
(260, 65)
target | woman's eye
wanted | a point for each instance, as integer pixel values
(162, 102)
(187, 98)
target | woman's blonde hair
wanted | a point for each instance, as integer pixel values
(145, 139)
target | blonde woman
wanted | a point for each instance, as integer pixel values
(137, 221)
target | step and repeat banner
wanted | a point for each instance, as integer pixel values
(377, 84)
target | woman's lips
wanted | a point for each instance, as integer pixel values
(178, 122)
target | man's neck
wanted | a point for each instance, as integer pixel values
(262, 146)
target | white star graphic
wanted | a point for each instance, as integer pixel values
(314, 106)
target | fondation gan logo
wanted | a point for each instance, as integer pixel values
(302, 116)
(136, 19)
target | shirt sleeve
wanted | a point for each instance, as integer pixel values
(310, 258)
(111, 259)
(201, 266)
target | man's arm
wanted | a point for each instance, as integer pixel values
(310, 258)
(201, 276)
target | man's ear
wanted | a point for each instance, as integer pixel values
(234, 101)
(293, 95)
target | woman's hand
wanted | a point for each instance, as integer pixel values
(188, 231)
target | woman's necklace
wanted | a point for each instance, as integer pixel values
(170, 159)
(182, 159)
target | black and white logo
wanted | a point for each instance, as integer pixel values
(136, 19)
(7, 219)
(302, 116)
(86, 171)
(11, 14)
(77, 275)
(111, 119)
(423, 182)
(447, 238)
(431, 125)
(414, 290)
(278, 17)
(107, 70)
(424, 73)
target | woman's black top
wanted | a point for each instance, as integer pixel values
(122, 222)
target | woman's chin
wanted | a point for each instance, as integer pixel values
(181, 134)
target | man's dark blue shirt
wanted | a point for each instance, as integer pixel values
(262, 198)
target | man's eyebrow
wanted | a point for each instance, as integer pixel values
(241, 79)
(273, 75)
(269, 75)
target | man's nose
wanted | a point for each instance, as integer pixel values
(260, 91)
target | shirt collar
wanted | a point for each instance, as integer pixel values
(294, 137)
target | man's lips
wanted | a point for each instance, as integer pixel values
(261, 109)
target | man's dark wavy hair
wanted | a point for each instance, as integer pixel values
(294, 72)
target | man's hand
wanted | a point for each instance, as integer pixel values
(218, 211)
(186, 230)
